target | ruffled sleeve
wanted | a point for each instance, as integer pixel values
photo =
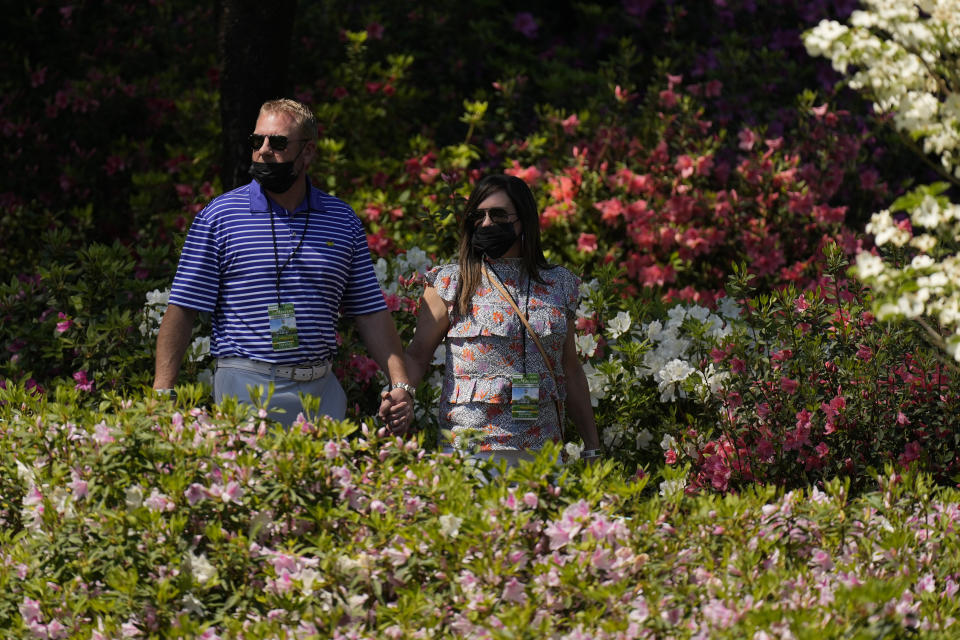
(444, 278)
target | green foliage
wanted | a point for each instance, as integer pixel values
(152, 517)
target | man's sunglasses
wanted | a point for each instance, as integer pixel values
(277, 143)
(497, 215)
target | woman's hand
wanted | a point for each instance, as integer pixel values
(396, 410)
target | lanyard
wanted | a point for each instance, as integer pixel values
(526, 313)
(276, 252)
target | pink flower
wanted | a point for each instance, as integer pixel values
(610, 210)
(789, 385)
(375, 31)
(101, 433)
(64, 324)
(747, 139)
(56, 630)
(737, 365)
(822, 560)
(684, 166)
(587, 242)
(363, 368)
(531, 175)
(668, 99)
(513, 591)
(30, 610)
(570, 124)
(158, 502)
(195, 493)
(910, 453)
(801, 304)
(232, 492)
(865, 353)
(78, 486)
(530, 499)
(331, 450)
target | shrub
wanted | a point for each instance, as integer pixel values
(146, 518)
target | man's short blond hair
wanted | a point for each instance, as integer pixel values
(302, 114)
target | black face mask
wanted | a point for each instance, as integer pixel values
(493, 241)
(276, 177)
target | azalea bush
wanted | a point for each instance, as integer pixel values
(142, 517)
(903, 57)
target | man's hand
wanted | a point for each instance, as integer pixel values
(396, 410)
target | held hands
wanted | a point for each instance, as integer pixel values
(396, 410)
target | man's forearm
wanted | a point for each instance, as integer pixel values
(380, 337)
(172, 342)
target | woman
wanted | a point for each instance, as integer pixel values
(492, 361)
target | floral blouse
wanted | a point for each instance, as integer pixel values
(485, 349)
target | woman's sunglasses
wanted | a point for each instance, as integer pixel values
(497, 215)
(277, 143)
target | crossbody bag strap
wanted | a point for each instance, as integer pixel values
(536, 340)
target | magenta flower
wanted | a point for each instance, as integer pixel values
(83, 382)
(526, 24)
(789, 385)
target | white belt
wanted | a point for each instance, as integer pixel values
(303, 372)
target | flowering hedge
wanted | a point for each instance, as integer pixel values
(147, 519)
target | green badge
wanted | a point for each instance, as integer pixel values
(525, 396)
(283, 326)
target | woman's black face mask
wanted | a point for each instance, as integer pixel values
(494, 240)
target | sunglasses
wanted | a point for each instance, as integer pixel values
(277, 143)
(497, 215)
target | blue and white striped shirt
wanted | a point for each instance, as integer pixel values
(228, 268)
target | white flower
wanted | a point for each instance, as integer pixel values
(671, 376)
(586, 288)
(573, 450)
(672, 488)
(587, 345)
(677, 314)
(450, 525)
(134, 497)
(644, 438)
(439, 354)
(654, 329)
(698, 313)
(596, 382)
(200, 567)
(158, 298)
(729, 308)
(668, 442)
(619, 325)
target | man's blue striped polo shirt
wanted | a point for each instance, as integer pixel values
(228, 268)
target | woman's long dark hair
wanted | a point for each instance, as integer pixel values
(530, 249)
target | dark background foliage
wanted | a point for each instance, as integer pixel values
(119, 120)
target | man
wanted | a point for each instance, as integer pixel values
(274, 262)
